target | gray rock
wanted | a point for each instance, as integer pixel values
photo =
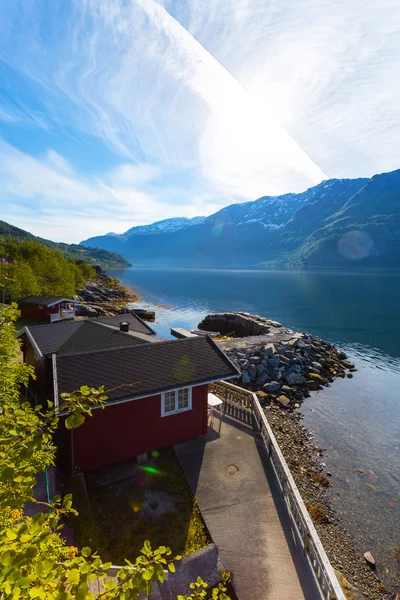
(274, 361)
(252, 371)
(262, 379)
(260, 369)
(82, 310)
(294, 379)
(369, 558)
(244, 363)
(245, 377)
(284, 401)
(272, 386)
(269, 350)
(255, 360)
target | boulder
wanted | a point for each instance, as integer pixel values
(245, 377)
(294, 379)
(284, 401)
(146, 315)
(254, 360)
(274, 361)
(269, 350)
(369, 558)
(262, 379)
(272, 386)
(252, 371)
(260, 369)
(82, 310)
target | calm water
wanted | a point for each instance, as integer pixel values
(356, 420)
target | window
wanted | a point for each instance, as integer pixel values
(176, 401)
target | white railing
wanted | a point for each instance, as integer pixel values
(64, 314)
(307, 534)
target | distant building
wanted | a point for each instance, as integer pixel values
(47, 308)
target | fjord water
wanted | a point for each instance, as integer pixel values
(356, 420)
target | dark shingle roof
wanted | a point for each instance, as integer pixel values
(135, 323)
(79, 336)
(45, 300)
(145, 370)
(49, 338)
(94, 336)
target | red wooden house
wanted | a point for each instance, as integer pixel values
(47, 308)
(157, 390)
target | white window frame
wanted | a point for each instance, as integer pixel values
(177, 410)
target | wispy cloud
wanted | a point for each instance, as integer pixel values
(231, 99)
(46, 196)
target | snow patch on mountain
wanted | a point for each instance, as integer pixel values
(166, 225)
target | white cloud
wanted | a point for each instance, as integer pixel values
(262, 97)
(46, 197)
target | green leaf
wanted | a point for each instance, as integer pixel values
(74, 421)
(148, 574)
(86, 551)
(171, 567)
(10, 533)
(73, 576)
(37, 592)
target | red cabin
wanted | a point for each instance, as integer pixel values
(47, 308)
(156, 389)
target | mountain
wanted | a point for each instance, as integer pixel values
(73, 251)
(163, 226)
(337, 223)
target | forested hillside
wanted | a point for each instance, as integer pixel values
(33, 268)
(72, 251)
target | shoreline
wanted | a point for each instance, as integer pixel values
(104, 296)
(305, 461)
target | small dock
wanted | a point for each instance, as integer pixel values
(180, 333)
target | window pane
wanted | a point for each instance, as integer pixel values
(183, 398)
(169, 402)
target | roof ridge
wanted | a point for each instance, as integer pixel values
(136, 334)
(150, 343)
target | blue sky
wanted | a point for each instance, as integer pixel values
(116, 113)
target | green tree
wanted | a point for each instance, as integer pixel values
(38, 269)
(35, 562)
(20, 280)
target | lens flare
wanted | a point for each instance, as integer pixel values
(151, 470)
(155, 454)
(355, 245)
(183, 369)
(136, 507)
(217, 229)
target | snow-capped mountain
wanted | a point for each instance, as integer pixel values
(292, 229)
(167, 225)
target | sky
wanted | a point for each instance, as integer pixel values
(115, 113)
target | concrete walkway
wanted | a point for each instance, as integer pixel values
(229, 472)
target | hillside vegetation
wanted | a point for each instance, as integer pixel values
(90, 255)
(33, 268)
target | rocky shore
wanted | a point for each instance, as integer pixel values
(283, 367)
(103, 296)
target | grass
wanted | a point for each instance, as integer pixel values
(155, 504)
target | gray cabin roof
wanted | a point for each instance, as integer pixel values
(144, 370)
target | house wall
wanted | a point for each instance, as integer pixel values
(33, 311)
(42, 385)
(125, 430)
